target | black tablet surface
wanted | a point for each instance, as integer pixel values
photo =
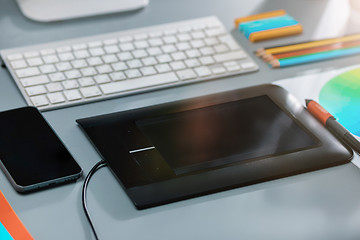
(184, 149)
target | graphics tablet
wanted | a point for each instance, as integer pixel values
(178, 150)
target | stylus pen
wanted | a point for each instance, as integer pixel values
(334, 126)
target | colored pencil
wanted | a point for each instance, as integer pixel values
(261, 22)
(306, 45)
(278, 23)
(334, 46)
(259, 16)
(274, 33)
(314, 57)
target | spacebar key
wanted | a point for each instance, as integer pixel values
(137, 83)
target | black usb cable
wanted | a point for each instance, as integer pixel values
(97, 166)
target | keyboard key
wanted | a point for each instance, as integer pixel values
(110, 41)
(208, 60)
(125, 56)
(143, 82)
(230, 42)
(89, 92)
(119, 66)
(36, 90)
(178, 56)
(168, 32)
(56, 77)
(73, 74)
(79, 46)
(27, 72)
(193, 53)
(134, 63)
(96, 52)
(81, 63)
(132, 73)
(221, 48)
(31, 81)
(112, 49)
(192, 63)
(18, 64)
(230, 64)
(186, 74)
(161, 68)
(66, 56)
(125, 39)
(233, 68)
(63, 66)
(154, 51)
(215, 32)
(104, 69)
(211, 41)
(95, 44)
(72, 95)
(90, 71)
(56, 97)
(202, 71)
(36, 61)
(63, 49)
(155, 34)
(140, 36)
(49, 68)
(184, 37)
(184, 29)
(103, 78)
(50, 59)
(31, 54)
(117, 76)
(126, 47)
(109, 58)
(177, 65)
(81, 54)
(197, 43)
(14, 57)
(141, 44)
(139, 53)
(218, 70)
(70, 84)
(54, 87)
(183, 46)
(197, 35)
(170, 39)
(86, 81)
(149, 61)
(94, 61)
(229, 56)
(165, 58)
(47, 51)
(154, 42)
(39, 101)
(205, 51)
(248, 65)
(148, 71)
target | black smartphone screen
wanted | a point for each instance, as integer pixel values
(31, 152)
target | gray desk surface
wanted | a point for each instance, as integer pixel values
(318, 205)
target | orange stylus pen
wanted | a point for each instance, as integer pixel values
(334, 126)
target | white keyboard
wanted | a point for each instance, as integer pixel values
(78, 71)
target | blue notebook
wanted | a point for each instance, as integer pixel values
(4, 234)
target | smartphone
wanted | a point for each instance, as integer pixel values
(31, 155)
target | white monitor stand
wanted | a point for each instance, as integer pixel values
(57, 10)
